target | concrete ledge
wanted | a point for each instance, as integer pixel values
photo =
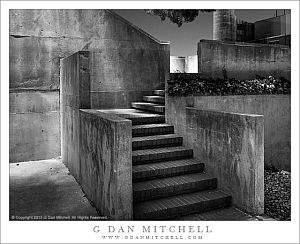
(106, 163)
(232, 147)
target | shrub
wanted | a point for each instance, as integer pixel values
(183, 84)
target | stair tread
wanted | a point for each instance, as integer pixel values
(150, 126)
(159, 150)
(137, 116)
(178, 201)
(162, 165)
(149, 104)
(170, 181)
(223, 214)
(155, 96)
(155, 137)
(130, 113)
(159, 92)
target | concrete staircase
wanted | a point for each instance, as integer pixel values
(168, 183)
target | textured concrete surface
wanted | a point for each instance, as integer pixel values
(34, 130)
(232, 147)
(46, 188)
(277, 119)
(126, 72)
(74, 94)
(40, 38)
(106, 162)
(130, 63)
(243, 60)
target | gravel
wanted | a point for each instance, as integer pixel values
(278, 194)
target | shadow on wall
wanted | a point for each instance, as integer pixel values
(128, 54)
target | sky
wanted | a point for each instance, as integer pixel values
(184, 39)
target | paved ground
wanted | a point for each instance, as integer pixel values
(45, 188)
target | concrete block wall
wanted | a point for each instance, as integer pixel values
(39, 38)
(276, 110)
(232, 147)
(243, 60)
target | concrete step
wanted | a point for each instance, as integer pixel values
(154, 99)
(156, 141)
(170, 186)
(153, 107)
(180, 205)
(159, 92)
(160, 155)
(158, 119)
(151, 129)
(165, 169)
(223, 214)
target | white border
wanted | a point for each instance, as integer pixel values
(82, 232)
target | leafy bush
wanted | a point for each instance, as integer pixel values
(183, 84)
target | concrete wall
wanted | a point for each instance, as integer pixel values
(34, 129)
(105, 163)
(125, 72)
(277, 119)
(232, 147)
(188, 64)
(40, 38)
(243, 60)
(74, 94)
(96, 147)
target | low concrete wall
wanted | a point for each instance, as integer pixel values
(34, 129)
(232, 147)
(277, 119)
(243, 60)
(105, 163)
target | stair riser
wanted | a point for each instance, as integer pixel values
(158, 143)
(173, 190)
(185, 210)
(137, 132)
(168, 172)
(160, 100)
(160, 110)
(160, 157)
(146, 120)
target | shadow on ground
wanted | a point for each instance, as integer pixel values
(45, 189)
